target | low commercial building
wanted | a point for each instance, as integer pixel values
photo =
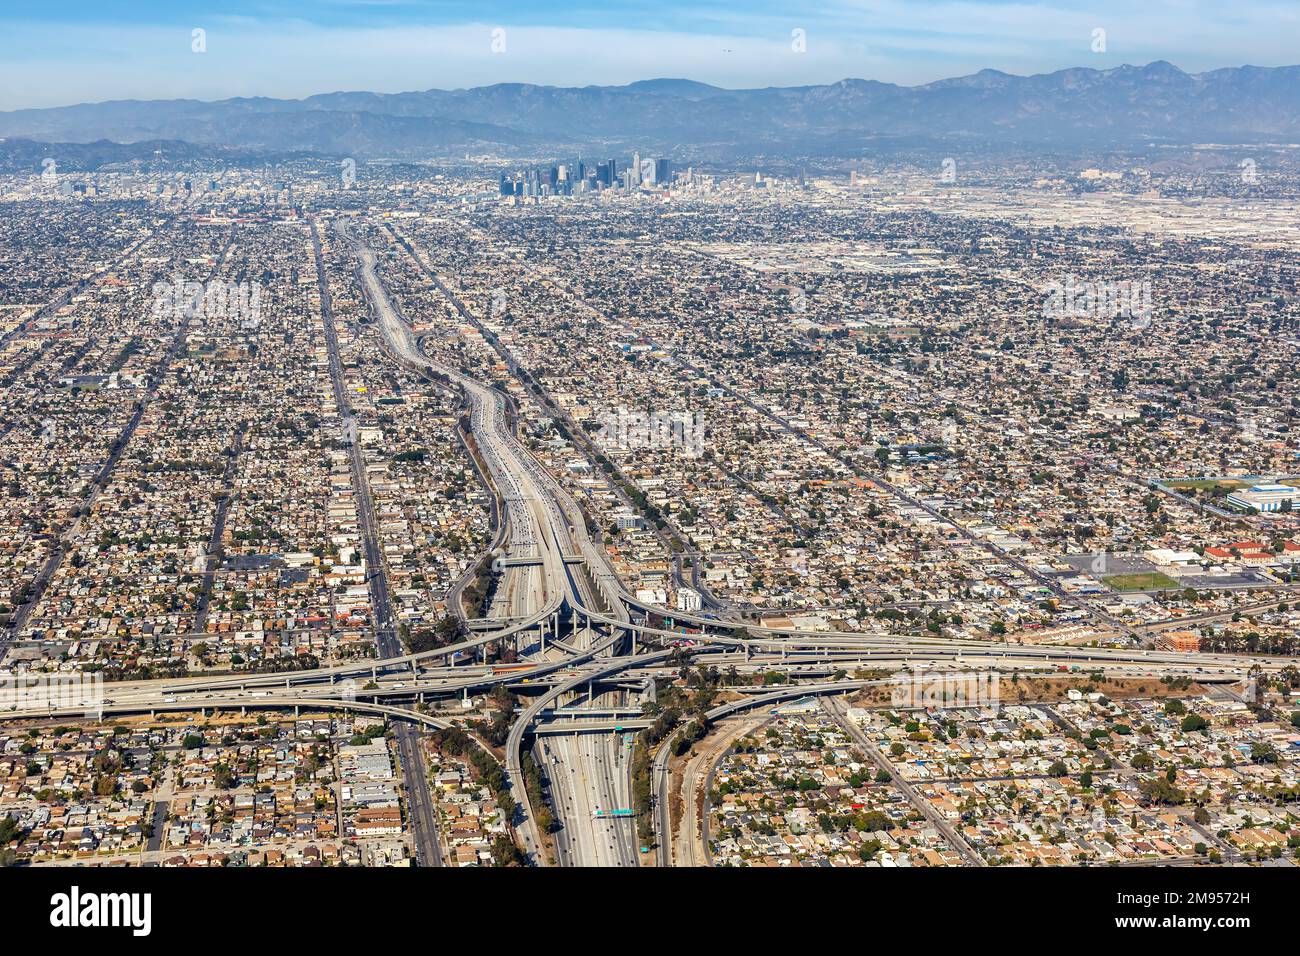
(1265, 498)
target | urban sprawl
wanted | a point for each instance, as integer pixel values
(635, 512)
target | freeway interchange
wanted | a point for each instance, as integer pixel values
(590, 650)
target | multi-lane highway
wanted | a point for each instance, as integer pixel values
(590, 783)
(537, 529)
(544, 525)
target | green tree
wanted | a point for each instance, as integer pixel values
(1193, 723)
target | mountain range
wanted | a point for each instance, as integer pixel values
(1127, 105)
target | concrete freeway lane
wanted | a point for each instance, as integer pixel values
(590, 774)
(888, 655)
(537, 528)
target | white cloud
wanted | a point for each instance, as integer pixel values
(912, 42)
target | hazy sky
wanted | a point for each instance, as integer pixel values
(58, 52)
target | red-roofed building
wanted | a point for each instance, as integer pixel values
(1257, 557)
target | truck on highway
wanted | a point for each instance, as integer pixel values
(497, 669)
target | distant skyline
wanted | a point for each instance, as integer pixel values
(80, 51)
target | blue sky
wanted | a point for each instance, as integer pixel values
(55, 53)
